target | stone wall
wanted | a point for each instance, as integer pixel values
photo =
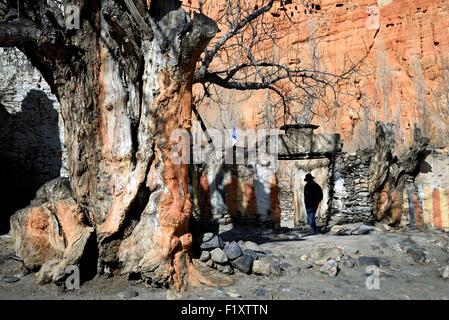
(31, 134)
(351, 198)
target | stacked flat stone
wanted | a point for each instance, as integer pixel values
(351, 199)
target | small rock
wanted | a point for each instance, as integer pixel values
(276, 270)
(128, 294)
(218, 256)
(445, 272)
(304, 258)
(233, 294)
(213, 243)
(262, 292)
(10, 279)
(205, 255)
(330, 268)
(227, 269)
(261, 267)
(244, 263)
(346, 229)
(364, 229)
(417, 254)
(232, 250)
(323, 254)
(308, 265)
(348, 262)
(252, 246)
(210, 263)
(208, 236)
(251, 253)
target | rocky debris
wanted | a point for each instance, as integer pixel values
(276, 269)
(345, 230)
(233, 294)
(348, 262)
(330, 268)
(225, 269)
(205, 255)
(213, 243)
(417, 254)
(261, 267)
(251, 253)
(218, 256)
(210, 263)
(249, 245)
(351, 229)
(320, 255)
(244, 263)
(365, 229)
(444, 272)
(224, 257)
(208, 236)
(232, 250)
(247, 257)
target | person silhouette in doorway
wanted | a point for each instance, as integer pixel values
(313, 194)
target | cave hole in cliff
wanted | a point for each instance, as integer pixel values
(30, 151)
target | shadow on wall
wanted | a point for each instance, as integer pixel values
(30, 152)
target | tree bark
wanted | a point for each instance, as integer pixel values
(123, 92)
(389, 173)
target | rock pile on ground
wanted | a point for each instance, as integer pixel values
(244, 256)
(330, 259)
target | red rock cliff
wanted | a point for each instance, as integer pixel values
(404, 78)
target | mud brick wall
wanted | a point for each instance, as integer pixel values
(425, 204)
(241, 194)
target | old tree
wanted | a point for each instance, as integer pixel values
(124, 79)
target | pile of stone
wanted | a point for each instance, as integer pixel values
(244, 256)
(329, 259)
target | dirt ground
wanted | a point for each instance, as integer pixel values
(410, 264)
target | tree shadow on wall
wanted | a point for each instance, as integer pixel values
(30, 152)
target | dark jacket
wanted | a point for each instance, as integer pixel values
(313, 194)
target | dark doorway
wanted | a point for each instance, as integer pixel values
(30, 152)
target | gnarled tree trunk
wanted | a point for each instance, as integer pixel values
(389, 173)
(124, 82)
